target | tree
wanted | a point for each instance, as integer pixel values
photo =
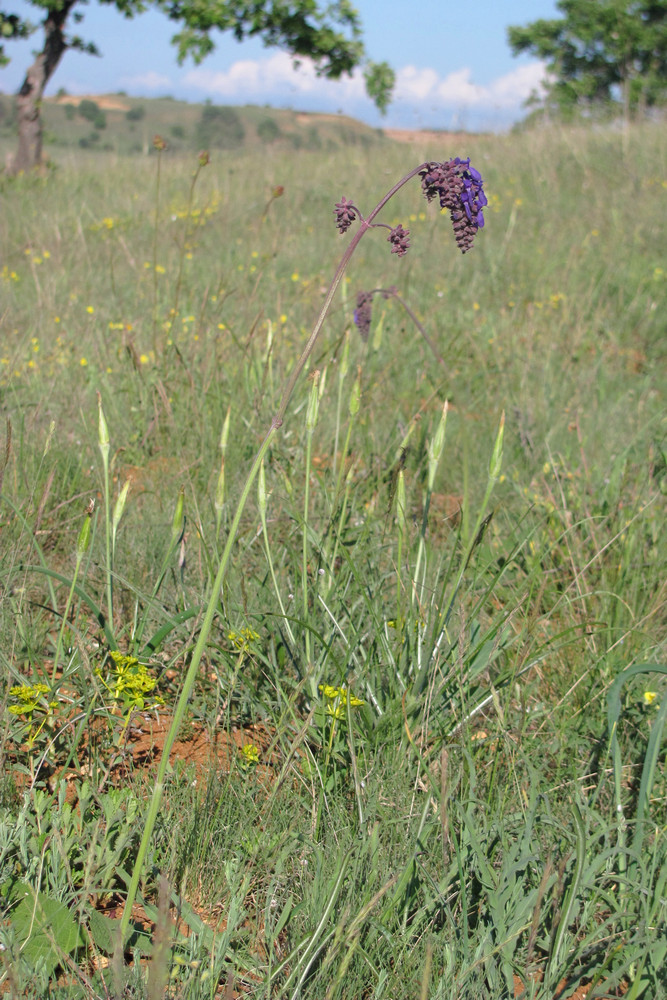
(93, 113)
(330, 36)
(219, 128)
(600, 52)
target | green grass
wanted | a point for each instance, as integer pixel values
(494, 811)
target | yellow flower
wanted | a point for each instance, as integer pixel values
(28, 696)
(243, 639)
(129, 681)
(295, 276)
(328, 691)
(338, 699)
(250, 754)
(649, 697)
(83, 362)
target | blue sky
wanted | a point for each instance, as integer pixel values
(454, 67)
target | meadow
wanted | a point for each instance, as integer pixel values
(412, 745)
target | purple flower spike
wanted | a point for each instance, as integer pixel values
(345, 213)
(458, 187)
(400, 240)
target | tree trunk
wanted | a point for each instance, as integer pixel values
(29, 97)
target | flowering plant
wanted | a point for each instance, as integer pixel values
(459, 188)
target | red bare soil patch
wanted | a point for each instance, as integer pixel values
(196, 747)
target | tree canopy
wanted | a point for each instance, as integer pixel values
(601, 52)
(330, 36)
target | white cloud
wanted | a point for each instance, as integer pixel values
(515, 87)
(458, 90)
(275, 77)
(415, 84)
(146, 81)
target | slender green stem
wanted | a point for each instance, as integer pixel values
(104, 445)
(311, 421)
(107, 542)
(304, 549)
(63, 622)
(343, 456)
(267, 548)
(186, 232)
(155, 235)
(331, 561)
(342, 373)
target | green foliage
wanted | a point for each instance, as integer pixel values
(92, 112)
(268, 130)
(597, 48)
(12, 26)
(136, 114)
(219, 128)
(380, 79)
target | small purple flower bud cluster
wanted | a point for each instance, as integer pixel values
(363, 314)
(400, 240)
(459, 188)
(345, 214)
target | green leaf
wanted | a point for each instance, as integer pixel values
(104, 931)
(45, 927)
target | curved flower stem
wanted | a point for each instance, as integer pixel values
(352, 246)
(420, 326)
(212, 607)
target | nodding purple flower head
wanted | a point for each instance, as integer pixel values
(459, 188)
(400, 240)
(345, 214)
(363, 314)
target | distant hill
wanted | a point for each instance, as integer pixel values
(126, 125)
